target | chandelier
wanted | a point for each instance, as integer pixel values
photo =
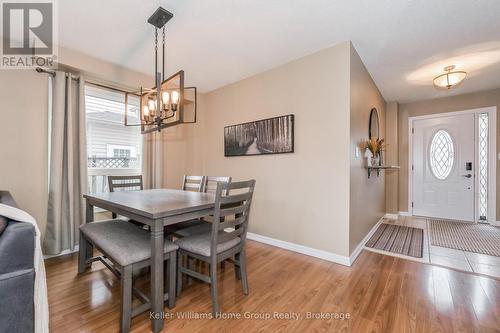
(450, 78)
(165, 104)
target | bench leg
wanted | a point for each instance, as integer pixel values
(172, 263)
(126, 302)
(179, 274)
(84, 249)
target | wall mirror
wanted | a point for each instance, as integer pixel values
(373, 126)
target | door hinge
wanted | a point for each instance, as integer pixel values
(412, 204)
(412, 167)
(413, 130)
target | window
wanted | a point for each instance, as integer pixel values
(442, 154)
(112, 147)
(483, 166)
(121, 153)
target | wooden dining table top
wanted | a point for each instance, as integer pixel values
(156, 203)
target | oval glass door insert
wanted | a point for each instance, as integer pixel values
(441, 154)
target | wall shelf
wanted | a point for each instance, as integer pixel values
(381, 167)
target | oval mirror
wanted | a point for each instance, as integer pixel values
(373, 126)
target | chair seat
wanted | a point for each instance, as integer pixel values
(200, 244)
(194, 230)
(122, 241)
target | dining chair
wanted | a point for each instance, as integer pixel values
(124, 183)
(218, 244)
(193, 183)
(209, 186)
(126, 249)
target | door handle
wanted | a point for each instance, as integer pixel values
(468, 175)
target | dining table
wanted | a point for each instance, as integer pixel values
(156, 208)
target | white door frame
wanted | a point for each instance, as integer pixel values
(492, 158)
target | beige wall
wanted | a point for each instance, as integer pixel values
(366, 193)
(24, 123)
(447, 104)
(23, 139)
(391, 158)
(301, 197)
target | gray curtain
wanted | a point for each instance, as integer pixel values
(152, 160)
(68, 163)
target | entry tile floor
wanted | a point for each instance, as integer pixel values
(442, 256)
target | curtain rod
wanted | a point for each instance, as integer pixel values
(41, 70)
(53, 73)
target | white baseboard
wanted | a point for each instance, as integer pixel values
(391, 216)
(495, 223)
(354, 255)
(404, 213)
(63, 253)
(329, 256)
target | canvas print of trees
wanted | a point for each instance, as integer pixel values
(268, 136)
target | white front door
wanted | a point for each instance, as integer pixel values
(443, 167)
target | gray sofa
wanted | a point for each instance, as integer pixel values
(17, 273)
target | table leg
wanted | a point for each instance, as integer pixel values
(157, 243)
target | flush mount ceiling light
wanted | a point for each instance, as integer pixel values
(165, 104)
(450, 78)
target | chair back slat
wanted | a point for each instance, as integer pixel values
(239, 207)
(227, 236)
(193, 183)
(233, 198)
(125, 183)
(211, 183)
(234, 209)
(231, 223)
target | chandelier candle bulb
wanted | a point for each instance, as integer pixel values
(175, 99)
(151, 105)
(166, 98)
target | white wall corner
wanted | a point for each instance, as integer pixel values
(309, 251)
(357, 251)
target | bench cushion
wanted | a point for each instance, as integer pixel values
(200, 244)
(122, 241)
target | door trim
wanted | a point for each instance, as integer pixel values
(492, 160)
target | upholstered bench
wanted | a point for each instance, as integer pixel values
(125, 249)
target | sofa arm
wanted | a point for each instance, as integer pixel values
(17, 311)
(17, 247)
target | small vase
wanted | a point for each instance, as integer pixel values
(374, 161)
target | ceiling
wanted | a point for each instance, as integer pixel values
(403, 43)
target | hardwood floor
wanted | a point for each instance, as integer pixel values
(380, 294)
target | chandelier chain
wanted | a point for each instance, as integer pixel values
(163, 58)
(156, 51)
